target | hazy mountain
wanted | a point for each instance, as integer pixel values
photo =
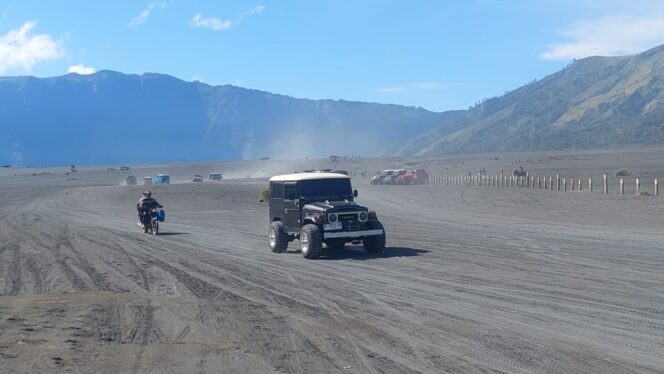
(109, 117)
(593, 102)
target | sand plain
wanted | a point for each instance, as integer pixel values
(474, 279)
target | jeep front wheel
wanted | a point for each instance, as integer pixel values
(311, 241)
(278, 238)
(375, 245)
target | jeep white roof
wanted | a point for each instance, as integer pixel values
(294, 177)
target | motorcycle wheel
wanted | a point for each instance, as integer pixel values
(155, 228)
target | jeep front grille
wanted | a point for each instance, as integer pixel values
(350, 221)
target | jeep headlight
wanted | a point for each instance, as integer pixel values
(332, 217)
(363, 216)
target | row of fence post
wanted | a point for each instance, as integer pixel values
(529, 181)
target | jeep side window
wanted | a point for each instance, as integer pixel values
(277, 191)
(290, 192)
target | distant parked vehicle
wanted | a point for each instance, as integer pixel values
(376, 179)
(131, 180)
(198, 178)
(147, 181)
(162, 179)
(123, 168)
(419, 176)
(215, 176)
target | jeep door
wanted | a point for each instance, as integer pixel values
(277, 201)
(292, 210)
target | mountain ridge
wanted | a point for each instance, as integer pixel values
(593, 102)
(111, 117)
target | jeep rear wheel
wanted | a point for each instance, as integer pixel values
(278, 238)
(375, 245)
(311, 241)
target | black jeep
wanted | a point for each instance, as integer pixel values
(316, 208)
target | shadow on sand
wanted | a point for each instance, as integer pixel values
(356, 252)
(172, 233)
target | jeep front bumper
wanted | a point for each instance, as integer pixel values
(352, 234)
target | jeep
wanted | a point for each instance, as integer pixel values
(317, 208)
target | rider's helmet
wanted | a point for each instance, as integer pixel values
(147, 193)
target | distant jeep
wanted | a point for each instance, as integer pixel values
(215, 176)
(317, 208)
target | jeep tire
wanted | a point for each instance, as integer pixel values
(311, 241)
(375, 245)
(278, 238)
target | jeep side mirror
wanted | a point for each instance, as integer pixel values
(354, 193)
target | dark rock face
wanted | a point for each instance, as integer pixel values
(110, 117)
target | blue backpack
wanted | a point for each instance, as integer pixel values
(161, 215)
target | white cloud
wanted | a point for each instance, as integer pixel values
(255, 10)
(81, 70)
(145, 14)
(424, 86)
(219, 24)
(610, 36)
(19, 49)
(210, 22)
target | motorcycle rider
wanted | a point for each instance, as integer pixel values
(144, 205)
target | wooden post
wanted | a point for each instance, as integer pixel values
(557, 182)
(638, 187)
(590, 184)
(622, 187)
(532, 182)
(606, 186)
(551, 183)
(564, 184)
(580, 185)
(656, 188)
(571, 184)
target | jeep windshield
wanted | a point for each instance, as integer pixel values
(326, 189)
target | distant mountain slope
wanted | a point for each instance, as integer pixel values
(109, 117)
(596, 101)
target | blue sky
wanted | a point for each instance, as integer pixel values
(439, 55)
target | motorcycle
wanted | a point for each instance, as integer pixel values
(151, 218)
